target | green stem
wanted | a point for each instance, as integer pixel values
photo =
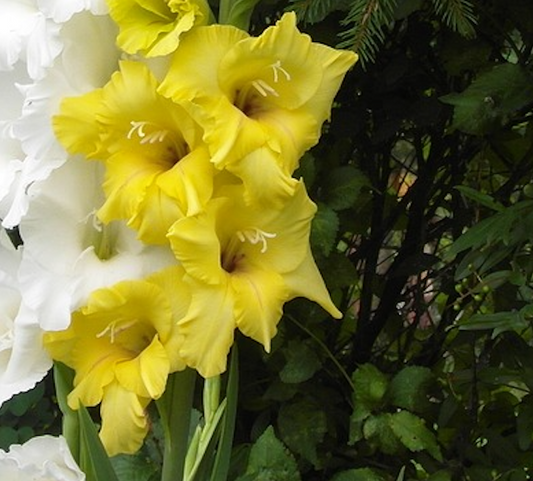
(175, 408)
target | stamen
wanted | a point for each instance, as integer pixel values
(277, 67)
(152, 137)
(263, 88)
(113, 331)
(256, 236)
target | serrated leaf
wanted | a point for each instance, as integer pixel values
(370, 386)
(324, 229)
(377, 430)
(343, 186)
(491, 99)
(362, 474)
(270, 460)
(302, 363)
(302, 427)
(413, 434)
(408, 388)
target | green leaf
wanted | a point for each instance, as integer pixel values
(491, 100)
(302, 426)
(324, 229)
(314, 11)
(370, 386)
(524, 423)
(343, 186)
(270, 460)
(481, 198)
(413, 433)
(458, 15)
(362, 474)
(377, 430)
(94, 461)
(302, 363)
(22, 402)
(499, 321)
(133, 468)
(408, 389)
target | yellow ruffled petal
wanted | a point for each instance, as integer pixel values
(196, 245)
(208, 328)
(154, 27)
(77, 115)
(145, 375)
(124, 420)
(259, 297)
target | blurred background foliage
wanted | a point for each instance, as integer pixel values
(424, 182)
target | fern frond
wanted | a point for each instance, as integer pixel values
(368, 20)
(314, 11)
(458, 15)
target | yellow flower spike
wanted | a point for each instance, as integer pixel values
(154, 27)
(122, 346)
(157, 167)
(243, 262)
(265, 96)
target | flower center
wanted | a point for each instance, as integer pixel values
(164, 144)
(251, 98)
(130, 334)
(232, 255)
(103, 237)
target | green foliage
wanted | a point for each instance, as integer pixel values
(270, 461)
(458, 15)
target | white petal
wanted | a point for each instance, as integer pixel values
(42, 457)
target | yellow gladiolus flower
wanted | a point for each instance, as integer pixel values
(154, 27)
(243, 262)
(123, 345)
(261, 100)
(157, 167)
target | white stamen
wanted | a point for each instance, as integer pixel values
(151, 138)
(113, 331)
(277, 67)
(263, 88)
(256, 236)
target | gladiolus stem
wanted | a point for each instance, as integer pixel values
(175, 407)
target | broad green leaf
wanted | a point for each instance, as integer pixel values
(324, 229)
(270, 460)
(441, 476)
(343, 186)
(370, 386)
(20, 404)
(492, 99)
(413, 433)
(362, 474)
(377, 430)
(302, 426)
(408, 389)
(133, 468)
(302, 363)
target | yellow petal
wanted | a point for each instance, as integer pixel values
(124, 421)
(208, 328)
(145, 375)
(259, 297)
(306, 281)
(195, 243)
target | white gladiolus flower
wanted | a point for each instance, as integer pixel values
(84, 60)
(43, 458)
(23, 360)
(68, 253)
